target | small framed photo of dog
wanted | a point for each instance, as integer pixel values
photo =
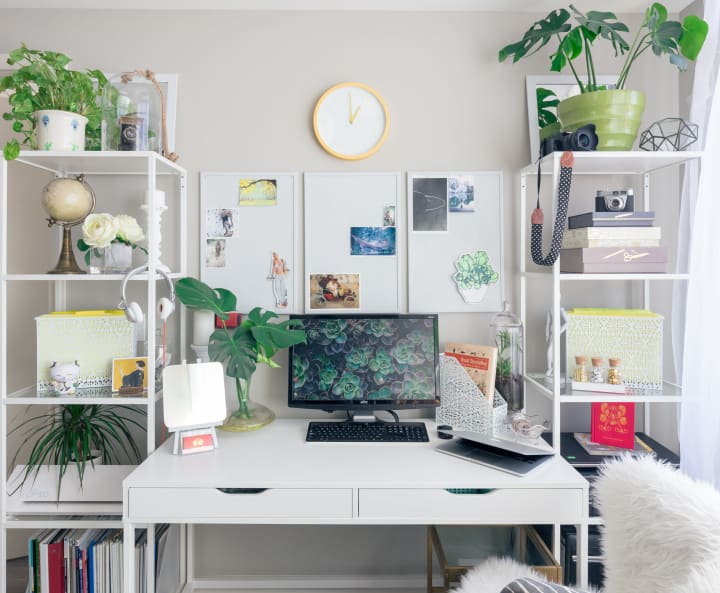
(130, 376)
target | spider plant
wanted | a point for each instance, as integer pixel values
(78, 435)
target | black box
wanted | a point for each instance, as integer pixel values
(568, 542)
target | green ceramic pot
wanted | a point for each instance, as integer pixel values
(615, 113)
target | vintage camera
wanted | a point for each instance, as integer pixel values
(618, 200)
(583, 138)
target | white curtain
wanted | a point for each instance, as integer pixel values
(696, 316)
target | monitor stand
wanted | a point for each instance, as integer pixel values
(363, 417)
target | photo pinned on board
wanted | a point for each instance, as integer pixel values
(215, 253)
(279, 276)
(257, 192)
(461, 193)
(222, 222)
(430, 204)
(372, 240)
(389, 216)
(334, 291)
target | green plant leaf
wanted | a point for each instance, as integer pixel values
(197, 295)
(237, 351)
(11, 150)
(694, 33)
(537, 36)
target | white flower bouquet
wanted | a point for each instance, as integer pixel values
(102, 229)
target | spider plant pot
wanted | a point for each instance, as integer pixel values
(615, 113)
(60, 130)
(100, 483)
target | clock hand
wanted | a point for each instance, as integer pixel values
(350, 107)
(355, 114)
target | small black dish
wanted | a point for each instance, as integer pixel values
(444, 435)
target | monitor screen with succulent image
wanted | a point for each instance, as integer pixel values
(355, 362)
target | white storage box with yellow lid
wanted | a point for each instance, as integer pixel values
(635, 336)
(92, 338)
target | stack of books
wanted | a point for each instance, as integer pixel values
(611, 243)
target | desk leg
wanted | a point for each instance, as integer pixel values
(129, 557)
(582, 554)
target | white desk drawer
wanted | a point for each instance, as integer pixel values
(515, 506)
(210, 503)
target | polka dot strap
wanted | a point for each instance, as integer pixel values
(566, 165)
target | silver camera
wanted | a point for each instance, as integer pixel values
(618, 200)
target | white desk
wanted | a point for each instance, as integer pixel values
(343, 484)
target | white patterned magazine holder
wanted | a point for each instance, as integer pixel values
(462, 404)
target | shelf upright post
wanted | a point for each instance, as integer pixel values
(183, 260)
(151, 299)
(3, 373)
(523, 269)
(646, 291)
(556, 318)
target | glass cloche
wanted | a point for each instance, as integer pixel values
(507, 331)
(132, 114)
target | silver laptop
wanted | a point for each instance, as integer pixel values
(505, 454)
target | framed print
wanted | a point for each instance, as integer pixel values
(455, 258)
(350, 243)
(130, 375)
(248, 237)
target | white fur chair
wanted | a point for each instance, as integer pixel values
(661, 535)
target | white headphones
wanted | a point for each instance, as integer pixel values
(165, 306)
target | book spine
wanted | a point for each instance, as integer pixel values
(56, 567)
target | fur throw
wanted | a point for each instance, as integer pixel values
(491, 575)
(662, 529)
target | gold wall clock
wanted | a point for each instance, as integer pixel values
(351, 121)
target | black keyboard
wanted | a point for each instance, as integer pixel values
(367, 432)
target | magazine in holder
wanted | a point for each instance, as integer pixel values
(462, 404)
(194, 404)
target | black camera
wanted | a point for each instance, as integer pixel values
(584, 138)
(619, 200)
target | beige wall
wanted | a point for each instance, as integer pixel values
(247, 85)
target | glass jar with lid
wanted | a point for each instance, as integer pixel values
(131, 114)
(507, 331)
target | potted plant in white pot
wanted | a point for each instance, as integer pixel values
(51, 106)
(74, 438)
(617, 111)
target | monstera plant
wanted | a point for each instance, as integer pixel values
(256, 340)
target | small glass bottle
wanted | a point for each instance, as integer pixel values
(596, 375)
(580, 375)
(613, 376)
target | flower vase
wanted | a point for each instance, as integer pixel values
(249, 415)
(117, 258)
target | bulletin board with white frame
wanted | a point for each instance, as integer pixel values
(455, 249)
(352, 242)
(249, 240)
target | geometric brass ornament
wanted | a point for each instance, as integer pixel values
(671, 133)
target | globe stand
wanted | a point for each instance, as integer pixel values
(66, 262)
(68, 206)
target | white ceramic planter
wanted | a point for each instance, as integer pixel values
(60, 130)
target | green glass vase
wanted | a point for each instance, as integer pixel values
(249, 415)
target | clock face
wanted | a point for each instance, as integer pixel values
(351, 121)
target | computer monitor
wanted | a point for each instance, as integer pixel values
(364, 363)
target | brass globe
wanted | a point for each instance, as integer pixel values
(68, 201)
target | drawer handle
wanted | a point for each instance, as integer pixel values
(242, 490)
(469, 490)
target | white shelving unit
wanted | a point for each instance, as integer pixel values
(598, 164)
(149, 171)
